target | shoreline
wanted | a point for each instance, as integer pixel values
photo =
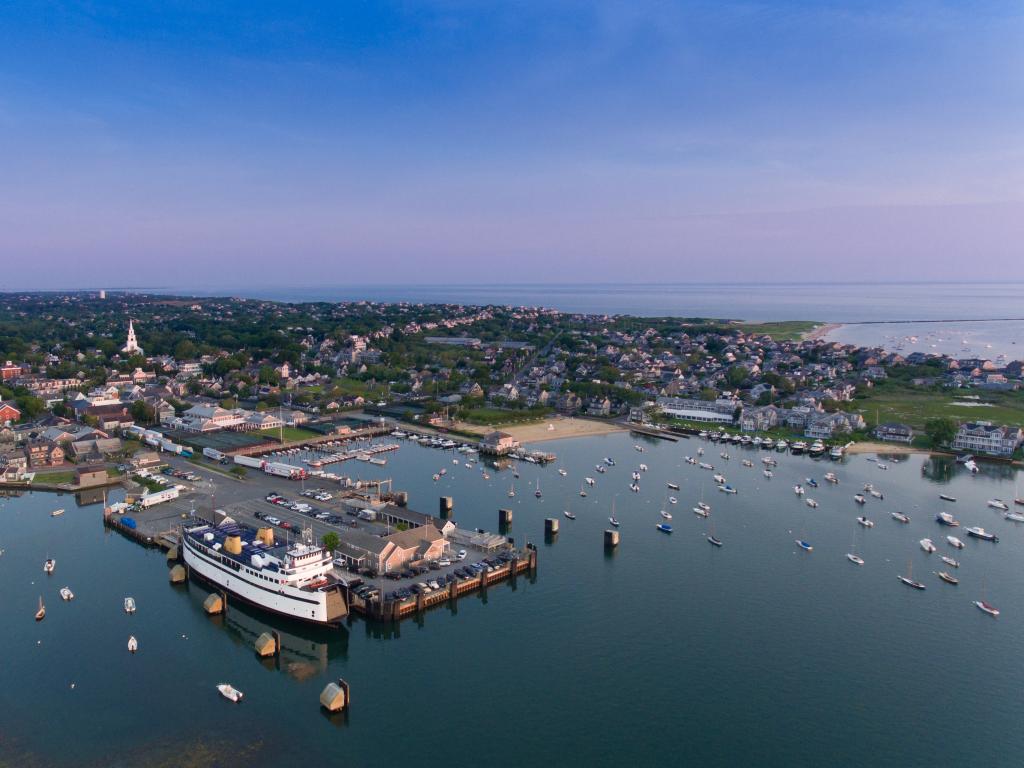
(538, 432)
(891, 448)
(821, 331)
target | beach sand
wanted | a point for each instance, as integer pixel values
(821, 331)
(538, 432)
(891, 448)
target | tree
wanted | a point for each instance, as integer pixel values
(737, 375)
(330, 540)
(142, 412)
(940, 431)
(30, 406)
(708, 394)
(185, 350)
(237, 471)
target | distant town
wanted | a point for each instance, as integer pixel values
(81, 370)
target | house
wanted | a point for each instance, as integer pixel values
(718, 411)
(759, 419)
(11, 371)
(43, 453)
(9, 413)
(600, 407)
(90, 475)
(498, 443)
(985, 437)
(894, 433)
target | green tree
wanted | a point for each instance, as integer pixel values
(142, 412)
(941, 430)
(330, 540)
(737, 375)
(184, 350)
(30, 406)
(708, 394)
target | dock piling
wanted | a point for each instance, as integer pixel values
(611, 538)
(178, 574)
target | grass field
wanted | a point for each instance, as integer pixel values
(915, 406)
(55, 478)
(785, 330)
(499, 416)
(290, 433)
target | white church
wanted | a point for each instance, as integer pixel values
(132, 347)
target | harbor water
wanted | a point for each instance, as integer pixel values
(663, 650)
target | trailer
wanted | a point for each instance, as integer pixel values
(280, 469)
(170, 447)
(250, 461)
(152, 499)
(212, 453)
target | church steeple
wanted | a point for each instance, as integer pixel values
(132, 347)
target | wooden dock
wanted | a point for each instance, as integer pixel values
(650, 432)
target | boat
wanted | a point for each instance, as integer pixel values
(836, 453)
(944, 518)
(562, 472)
(980, 533)
(66, 594)
(900, 517)
(811, 482)
(673, 500)
(569, 514)
(798, 447)
(700, 451)
(927, 545)
(609, 462)
(49, 565)
(727, 489)
(230, 693)
(702, 505)
(600, 469)
(704, 465)
(589, 480)
(865, 522)
(950, 561)
(946, 497)
(1019, 501)
(724, 455)
(41, 613)
(876, 494)
(811, 503)
(804, 545)
(57, 512)
(666, 515)
(511, 491)
(860, 499)
(700, 512)
(831, 477)
(798, 490)
(1015, 517)
(908, 579)
(634, 488)
(129, 605)
(991, 610)
(748, 463)
(664, 527)
(613, 521)
(294, 579)
(854, 558)
(537, 492)
(583, 492)
(767, 473)
(998, 504)
(715, 540)
(768, 461)
(673, 486)
(948, 578)
(133, 644)
(690, 460)
(955, 542)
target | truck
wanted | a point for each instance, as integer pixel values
(213, 453)
(169, 446)
(151, 499)
(280, 469)
(250, 461)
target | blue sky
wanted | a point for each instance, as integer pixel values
(207, 145)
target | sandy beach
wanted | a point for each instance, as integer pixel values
(537, 432)
(893, 448)
(821, 331)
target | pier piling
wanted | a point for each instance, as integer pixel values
(611, 538)
(267, 645)
(178, 574)
(335, 697)
(213, 605)
(550, 526)
(447, 503)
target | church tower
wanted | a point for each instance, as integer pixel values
(132, 347)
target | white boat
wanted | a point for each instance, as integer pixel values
(831, 477)
(865, 522)
(900, 517)
(129, 605)
(991, 610)
(854, 558)
(562, 472)
(950, 561)
(998, 504)
(590, 480)
(927, 545)
(876, 494)
(955, 542)
(666, 515)
(705, 507)
(700, 512)
(49, 565)
(613, 521)
(66, 594)
(673, 486)
(798, 490)
(133, 644)
(511, 491)
(57, 512)
(748, 463)
(230, 693)
(767, 473)
(811, 503)
(1015, 517)
(569, 514)
(672, 500)
(859, 499)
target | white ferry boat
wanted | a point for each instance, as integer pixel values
(292, 580)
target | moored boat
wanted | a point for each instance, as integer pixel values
(811, 503)
(980, 533)
(569, 514)
(1014, 517)
(855, 559)
(613, 521)
(998, 504)
(946, 497)
(948, 578)
(41, 611)
(57, 512)
(927, 545)
(129, 605)
(715, 540)
(804, 545)
(950, 561)
(664, 527)
(900, 517)
(673, 486)
(991, 610)
(229, 692)
(865, 522)
(955, 542)
(49, 565)
(944, 518)
(66, 594)
(859, 499)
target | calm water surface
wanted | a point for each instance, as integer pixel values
(668, 651)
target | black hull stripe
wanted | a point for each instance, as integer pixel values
(274, 592)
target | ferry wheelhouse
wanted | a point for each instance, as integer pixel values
(294, 580)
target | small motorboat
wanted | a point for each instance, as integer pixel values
(700, 512)
(980, 533)
(724, 455)
(49, 565)
(998, 504)
(57, 512)
(609, 462)
(811, 482)
(944, 497)
(590, 480)
(613, 521)
(511, 492)
(767, 473)
(569, 514)
(706, 507)
(715, 540)
(991, 610)
(748, 463)
(634, 488)
(599, 469)
(944, 518)
(811, 503)
(1019, 501)
(41, 612)
(865, 522)
(831, 477)
(673, 486)
(133, 644)
(798, 490)
(948, 579)
(910, 582)
(727, 489)
(950, 562)
(927, 545)
(66, 594)
(666, 515)
(562, 472)
(876, 494)
(860, 499)
(583, 493)
(804, 545)
(855, 559)
(955, 542)
(664, 527)
(720, 479)
(690, 460)
(1014, 517)
(129, 605)
(673, 500)
(230, 693)
(900, 517)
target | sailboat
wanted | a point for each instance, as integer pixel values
(41, 613)
(612, 519)
(852, 555)
(908, 580)
(57, 512)
(512, 490)
(583, 492)
(568, 512)
(712, 539)
(991, 610)
(537, 492)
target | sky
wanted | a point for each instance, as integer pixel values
(209, 145)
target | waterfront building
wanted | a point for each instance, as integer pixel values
(498, 443)
(718, 411)
(895, 433)
(985, 437)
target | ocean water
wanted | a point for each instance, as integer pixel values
(666, 651)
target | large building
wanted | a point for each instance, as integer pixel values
(985, 437)
(132, 346)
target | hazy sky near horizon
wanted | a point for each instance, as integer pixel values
(208, 145)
